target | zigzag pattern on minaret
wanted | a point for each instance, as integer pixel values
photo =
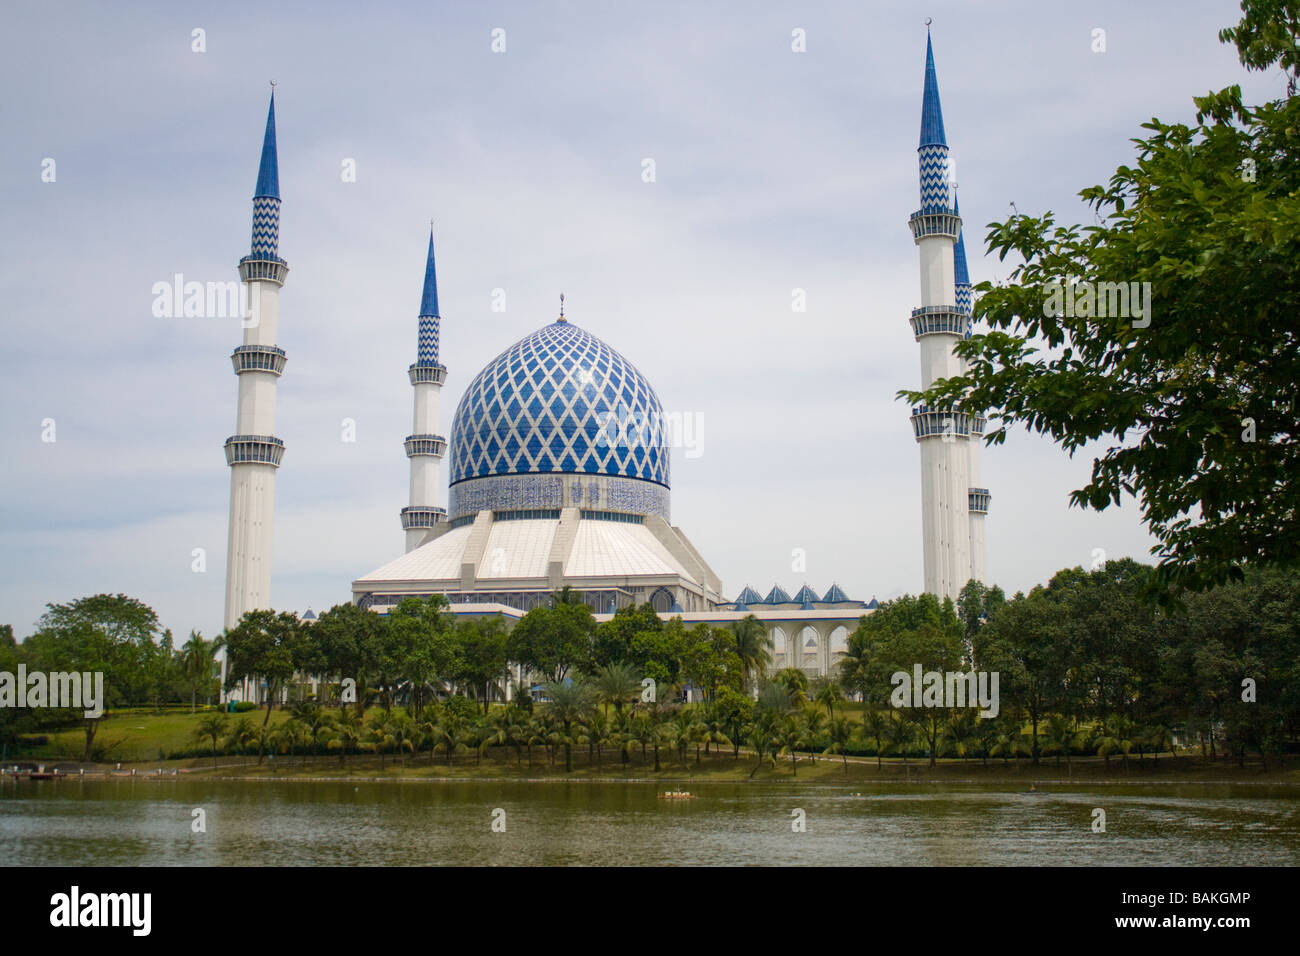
(266, 227)
(934, 177)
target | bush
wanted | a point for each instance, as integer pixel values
(244, 706)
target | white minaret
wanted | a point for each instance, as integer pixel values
(253, 452)
(939, 324)
(977, 497)
(424, 447)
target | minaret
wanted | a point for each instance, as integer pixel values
(939, 324)
(977, 497)
(424, 447)
(253, 452)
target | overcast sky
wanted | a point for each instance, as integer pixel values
(775, 170)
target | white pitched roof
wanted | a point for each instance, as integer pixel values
(439, 559)
(615, 549)
(518, 549)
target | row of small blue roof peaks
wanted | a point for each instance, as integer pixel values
(805, 597)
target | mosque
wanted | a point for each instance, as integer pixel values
(558, 460)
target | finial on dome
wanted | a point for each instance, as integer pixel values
(562, 318)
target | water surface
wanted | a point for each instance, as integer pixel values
(132, 822)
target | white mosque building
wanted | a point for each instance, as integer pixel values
(558, 463)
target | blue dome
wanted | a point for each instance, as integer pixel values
(559, 402)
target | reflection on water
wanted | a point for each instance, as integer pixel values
(134, 822)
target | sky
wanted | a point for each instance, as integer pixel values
(775, 170)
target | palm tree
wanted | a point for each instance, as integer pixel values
(595, 733)
(789, 737)
(876, 726)
(380, 734)
(1160, 739)
(1010, 740)
(901, 734)
(197, 664)
(811, 726)
(714, 730)
(508, 727)
(538, 728)
(762, 736)
(571, 702)
(241, 736)
(451, 734)
(1118, 735)
(348, 732)
(684, 729)
(212, 726)
(638, 729)
(1061, 737)
(840, 731)
(961, 732)
(286, 738)
(616, 684)
(314, 718)
(404, 733)
(795, 682)
(753, 647)
(828, 695)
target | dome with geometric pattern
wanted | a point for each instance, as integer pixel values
(559, 419)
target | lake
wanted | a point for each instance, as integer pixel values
(132, 822)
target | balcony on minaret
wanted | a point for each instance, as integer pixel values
(254, 450)
(943, 423)
(939, 320)
(258, 358)
(422, 516)
(977, 423)
(433, 445)
(424, 373)
(262, 268)
(978, 500)
(935, 221)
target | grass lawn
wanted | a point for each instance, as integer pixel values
(137, 736)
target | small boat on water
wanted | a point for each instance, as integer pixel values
(676, 795)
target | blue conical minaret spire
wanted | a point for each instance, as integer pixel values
(961, 277)
(429, 317)
(933, 148)
(266, 195)
(931, 112)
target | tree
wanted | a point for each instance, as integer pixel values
(348, 731)
(343, 640)
(753, 647)
(1194, 388)
(552, 640)
(242, 736)
(481, 654)
(422, 647)
(571, 702)
(211, 727)
(1028, 643)
(828, 694)
(197, 667)
(841, 732)
(795, 683)
(617, 684)
(110, 634)
(264, 646)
